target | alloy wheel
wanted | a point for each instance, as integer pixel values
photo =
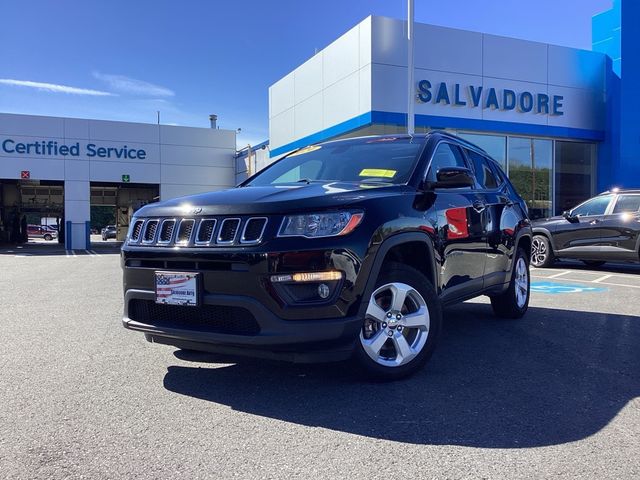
(396, 325)
(522, 282)
(539, 252)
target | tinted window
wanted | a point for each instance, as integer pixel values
(446, 155)
(485, 176)
(382, 159)
(627, 203)
(595, 206)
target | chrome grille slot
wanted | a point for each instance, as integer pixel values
(184, 231)
(228, 230)
(149, 235)
(136, 231)
(253, 230)
(166, 231)
(205, 231)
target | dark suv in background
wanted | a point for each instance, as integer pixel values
(605, 228)
(346, 249)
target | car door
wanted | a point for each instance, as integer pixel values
(499, 223)
(621, 229)
(461, 238)
(580, 236)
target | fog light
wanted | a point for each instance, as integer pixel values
(307, 287)
(307, 277)
(323, 290)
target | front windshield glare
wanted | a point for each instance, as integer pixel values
(386, 159)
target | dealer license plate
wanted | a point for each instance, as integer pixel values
(177, 288)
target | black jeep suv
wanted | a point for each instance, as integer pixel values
(345, 249)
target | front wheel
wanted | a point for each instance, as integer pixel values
(401, 325)
(48, 237)
(515, 301)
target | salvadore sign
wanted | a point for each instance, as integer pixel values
(478, 96)
(76, 149)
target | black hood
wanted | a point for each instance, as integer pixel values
(272, 199)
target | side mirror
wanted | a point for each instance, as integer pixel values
(453, 177)
(570, 218)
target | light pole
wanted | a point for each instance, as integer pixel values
(411, 127)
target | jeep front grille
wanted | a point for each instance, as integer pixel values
(166, 231)
(228, 230)
(150, 231)
(205, 230)
(253, 230)
(136, 230)
(185, 231)
(199, 232)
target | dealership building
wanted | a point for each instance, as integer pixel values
(59, 168)
(553, 116)
(563, 122)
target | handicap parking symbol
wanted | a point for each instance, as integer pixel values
(556, 288)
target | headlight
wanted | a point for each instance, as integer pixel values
(314, 225)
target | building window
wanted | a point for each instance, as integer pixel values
(530, 167)
(494, 145)
(573, 173)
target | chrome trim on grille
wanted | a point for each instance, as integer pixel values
(146, 227)
(213, 231)
(259, 238)
(197, 225)
(228, 242)
(183, 224)
(133, 239)
(173, 231)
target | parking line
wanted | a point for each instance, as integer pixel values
(556, 275)
(68, 252)
(588, 281)
(74, 253)
(600, 279)
(94, 252)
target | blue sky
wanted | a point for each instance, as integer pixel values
(124, 60)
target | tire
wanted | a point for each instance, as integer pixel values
(515, 301)
(593, 263)
(48, 237)
(541, 252)
(386, 329)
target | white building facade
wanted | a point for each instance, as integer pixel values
(538, 109)
(75, 163)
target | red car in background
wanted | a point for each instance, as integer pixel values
(41, 231)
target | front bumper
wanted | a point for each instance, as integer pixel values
(234, 282)
(298, 341)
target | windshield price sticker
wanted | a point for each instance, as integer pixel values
(377, 172)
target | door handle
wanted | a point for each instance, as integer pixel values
(594, 222)
(479, 206)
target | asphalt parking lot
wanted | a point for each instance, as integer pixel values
(555, 394)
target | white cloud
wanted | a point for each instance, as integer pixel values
(131, 86)
(53, 87)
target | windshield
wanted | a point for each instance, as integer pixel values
(382, 159)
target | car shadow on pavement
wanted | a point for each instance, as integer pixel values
(552, 377)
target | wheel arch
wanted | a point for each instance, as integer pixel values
(545, 233)
(411, 248)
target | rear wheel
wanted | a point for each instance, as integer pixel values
(541, 252)
(515, 301)
(401, 325)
